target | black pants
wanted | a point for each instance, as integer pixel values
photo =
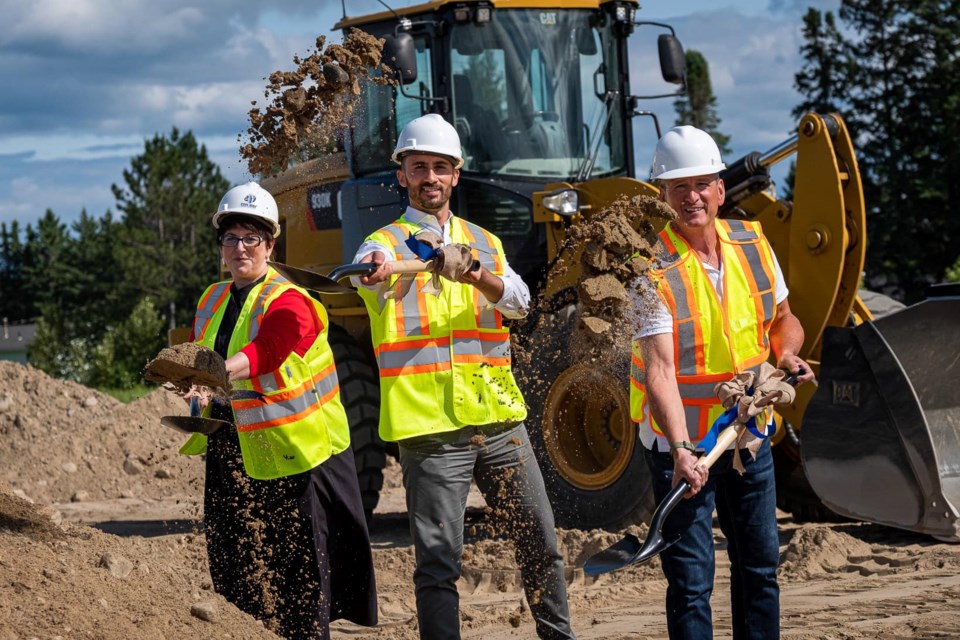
(293, 552)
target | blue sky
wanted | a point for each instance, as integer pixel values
(89, 80)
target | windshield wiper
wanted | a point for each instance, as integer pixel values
(593, 146)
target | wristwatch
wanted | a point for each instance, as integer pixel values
(683, 444)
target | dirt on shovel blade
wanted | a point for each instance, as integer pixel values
(188, 364)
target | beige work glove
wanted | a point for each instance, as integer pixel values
(429, 237)
(768, 388)
(454, 261)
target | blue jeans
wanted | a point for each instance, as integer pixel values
(746, 509)
(437, 471)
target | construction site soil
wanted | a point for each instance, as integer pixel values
(100, 537)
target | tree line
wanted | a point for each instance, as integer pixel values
(104, 290)
(891, 69)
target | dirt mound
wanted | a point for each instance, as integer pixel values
(76, 582)
(64, 442)
(818, 550)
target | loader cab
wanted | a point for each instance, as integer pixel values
(538, 96)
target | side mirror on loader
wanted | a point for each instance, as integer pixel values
(400, 55)
(673, 62)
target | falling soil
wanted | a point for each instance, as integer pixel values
(588, 334)
(186, 365)
(309, 107)
(618, 245)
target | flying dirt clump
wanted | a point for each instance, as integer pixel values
(615, 248)
(308, 107)
(188, 364)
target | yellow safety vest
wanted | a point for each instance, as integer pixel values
(444, 361)
(712, 340)
(291, 419)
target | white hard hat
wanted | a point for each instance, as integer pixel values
(252, 200)
(684, 152)
(429, 134)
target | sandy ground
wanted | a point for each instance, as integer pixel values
(110, 548)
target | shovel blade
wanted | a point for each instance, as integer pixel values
(190, 425)
(614, 557)
(310, 279)
(627, 552)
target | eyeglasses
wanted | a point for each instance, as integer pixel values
(231, 240)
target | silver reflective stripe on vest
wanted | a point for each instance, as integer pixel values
(467, 346)
(638, 374)
(697, 390)
(327, 383)
(408, 301)
(260, 307)
(414, 356)
(205, 313)
(686, 330)
(751, 252)
(285, 412)
(278, 411)
(496, 348)
(739, 231)
(485, 250)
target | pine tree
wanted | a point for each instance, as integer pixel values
(699, 106)
(167, 247)
(893, 76)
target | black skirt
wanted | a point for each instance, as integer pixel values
(293, 552)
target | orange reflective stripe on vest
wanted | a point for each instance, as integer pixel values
(215, 296)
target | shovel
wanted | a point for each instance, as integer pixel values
(331, 284)
(630, 551)
(193, 423)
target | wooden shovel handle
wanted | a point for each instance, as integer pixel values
(411, 266)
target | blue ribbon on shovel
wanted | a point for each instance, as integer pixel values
(421, 249)
(725, 419)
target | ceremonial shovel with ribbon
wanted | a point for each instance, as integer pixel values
(744, 397)
(451, 261)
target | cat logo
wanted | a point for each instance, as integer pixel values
(846, 393)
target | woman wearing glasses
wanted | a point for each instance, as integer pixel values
(286, 537)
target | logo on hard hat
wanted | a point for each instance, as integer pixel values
(250, 200)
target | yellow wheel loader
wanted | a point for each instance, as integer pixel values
(540, 94)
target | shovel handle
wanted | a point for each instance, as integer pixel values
(366, 268)
(411, 266)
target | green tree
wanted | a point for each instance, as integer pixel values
(117, 361)
(699, 106)
(893, 75)
(16, 303)
(71, 276)
(166, 247)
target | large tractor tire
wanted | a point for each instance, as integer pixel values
(360, 393)
(580, 427)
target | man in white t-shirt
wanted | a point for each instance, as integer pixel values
(719, 308)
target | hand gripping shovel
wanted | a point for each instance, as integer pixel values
(630, 551)
(331, 284)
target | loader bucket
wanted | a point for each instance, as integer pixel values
(881, 437)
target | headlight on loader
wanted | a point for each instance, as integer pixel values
(564, 203)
